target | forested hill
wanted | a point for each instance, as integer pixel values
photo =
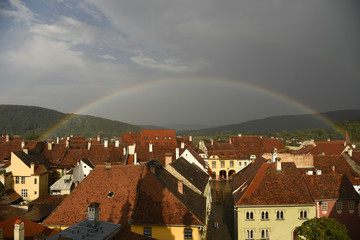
(289, 123)
(29, 121)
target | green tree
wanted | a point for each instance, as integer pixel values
(322, 229)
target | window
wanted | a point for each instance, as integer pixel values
(17, 180)
(324, 206)
(35, 192)
(169, 138)
(187, 233)
(22, 180)
(265, 234)
(351, 206)
(264, 215)
(156, 138)
(250, 234)
(24, 192)
(222, 164)
(338, 205)
(231, 163)
(35, 180)
(239, 164)
(249, 215)
(84, 166)
(245, 163)
(147, 231)
(213, 164)
(303, 214)
(280, 215)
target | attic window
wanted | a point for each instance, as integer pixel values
(111, 194)
(165, 138)
(169, 138)
(156, 138)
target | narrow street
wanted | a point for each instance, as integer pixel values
(222, 212)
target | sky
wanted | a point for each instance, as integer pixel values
(157, 62)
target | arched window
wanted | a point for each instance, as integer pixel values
(249, 234)
(247, 215)
(251, 215)
(279, 214)
(264, 234)
(264, 215)
(305, 214)
(301, 214)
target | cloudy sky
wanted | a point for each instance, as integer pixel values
(166, 62)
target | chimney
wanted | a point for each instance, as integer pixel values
(22, 144)
(106, 142)
(98, 138)
(180, 187)
(152, 168)
(333, 168)
(117, 142)
(67, 144)
(49, 145)
(168, 158)
(7, 138)
(124, 151)
(230, 140)
(182, 145)
(278, 164)
(212, 141)
(93, 211)
(239, 135)
(190, 138)
(26, 150)
(57, 140)
(274, 154)
(177, 155)
(350, 152)
(150, 147)
(252, 158)
(19, 230)
(89, 145)
(107, 164)
(135, 158)
(309, 172)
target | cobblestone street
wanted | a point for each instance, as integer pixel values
(222, 212)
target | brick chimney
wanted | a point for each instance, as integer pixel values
(180, 186)
(19, 230)
(93, 211)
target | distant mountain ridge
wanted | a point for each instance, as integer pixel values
(29, 120)
(287, 122)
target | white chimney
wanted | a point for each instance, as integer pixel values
(182, 145)
(350, 152)
(180, 186)
(190, 138)
(177, 154)
(278, 164)
(353, 146)
(98, 138)
(135, 158)
(117, 142)
(309, 172)
(89, 145)
(93, 211)
(124, 151)
(22, 144)
(49, 146)
(239, 135)
(57, 140)
(19, 230)
(67, 145)
(150, 147)
(7, 138)
(106, 142)
(274, 155)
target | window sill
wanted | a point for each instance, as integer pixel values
(265, 219)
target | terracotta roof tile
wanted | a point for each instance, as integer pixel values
(32, 229)
(327, 149)
(330, 186)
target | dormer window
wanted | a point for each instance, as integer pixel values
(111, 194)
(156, 138)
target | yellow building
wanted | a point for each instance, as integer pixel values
(271, 200)
(169, 232)
(30, 176)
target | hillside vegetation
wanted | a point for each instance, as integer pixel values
(33, 122)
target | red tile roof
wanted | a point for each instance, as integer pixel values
(32, 229)
(159, 137)
(325, 164)
(330, 186)
(121, 180)
(272, 187)
(327, 149)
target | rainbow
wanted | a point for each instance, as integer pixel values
(149, 84)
